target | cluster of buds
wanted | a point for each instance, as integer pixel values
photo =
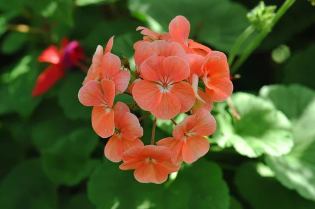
(169, 68)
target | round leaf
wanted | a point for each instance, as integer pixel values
(262, 129)
(296, 170)
(27, 187)
(257, 185)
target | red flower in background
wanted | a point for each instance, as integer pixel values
(68, 56)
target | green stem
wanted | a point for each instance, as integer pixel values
(247, 32)
(249, 50)
(153, 131)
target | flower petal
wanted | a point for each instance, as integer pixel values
(50, 55)
(103, 121)
(147, 32)
(195, 63)
(204, 123)
(120, 109)
(151, 173)
(159, 153)
(114, 148)
(142, 53)
(179, 29)
(168, 108)
(47, 79)
(170, 166)
(218, 54)
(147, 95)
(175, 69)
(177, 50)
(121, 80)
(91, 94)
(160, 47)
(195, 147)
(110, 65)
(219, 89)
(109, 45)
(198, 48)
(152, 69)
(184, 92)
(215, 67)
(130, 127)
(130, 88)
(175, 145)
(133, 154)
(95, 68)
(108, 91)
(207, 104)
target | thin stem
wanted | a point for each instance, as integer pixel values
(236, 115)
(249, 50)
(247, 32)
(144, 116)
(127, 93)
(174, 121)
(153, 131)
(25, 29)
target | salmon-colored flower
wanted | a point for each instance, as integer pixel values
(216, 77)
(152, 164)
(163, 91)
(179, 29)
(159, 48)
(101, 97)
(68, 56)
(127, 133)
(188, 142)
(150, 36)
(94, 72)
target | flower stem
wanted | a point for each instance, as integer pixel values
(144, 116)
(236, 115)
(174, 121)
(249, 50)
(153, 131)
(247, 32)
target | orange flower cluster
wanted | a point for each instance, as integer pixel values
(169, 68)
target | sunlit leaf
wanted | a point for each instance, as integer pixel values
(262, 129)
(296, 170)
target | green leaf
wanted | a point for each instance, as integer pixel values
(199, 185)
(299, 68)
(89, 2)
(27, 187)
(17, 87)
(216, 22)
(13, 42)
(296, 170)
(257, 185)
(68, 97)
(79, 201)
(68, 161)
(262, 129)
(234, 204)
(50, 125)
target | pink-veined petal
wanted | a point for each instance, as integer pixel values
(130, 127)
(175, 69)
(207, 104)
(120, 109)
(130, 88)
(195, 63)
(184, 92)
(195, 147)
(142, 53)
(158, 153)
(160, 47)
(177, 50)
(215, 67)
(147, 95)
(91, 94)
(103, 121)
(133, 154)
(114, 148)
(110, 65)
(147, 32)
(108, 91)
(170, 166)
(152, 69)
(50, 55)
(151, 173)
(121, 80)
(204, 123)
(168, 108)
(175, 145)
(109, 45)
(179, 29)
(218, 54)
(219, 89)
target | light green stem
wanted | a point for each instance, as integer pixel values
(249, 50)
(247, 32)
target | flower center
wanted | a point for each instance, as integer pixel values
(149, 160)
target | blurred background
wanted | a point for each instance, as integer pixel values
(50, 158)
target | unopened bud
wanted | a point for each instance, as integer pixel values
(261, 16)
